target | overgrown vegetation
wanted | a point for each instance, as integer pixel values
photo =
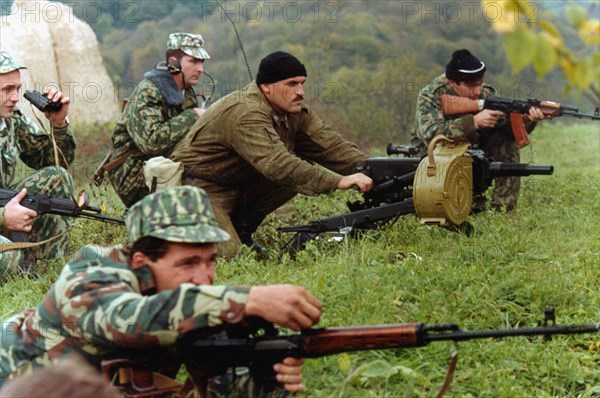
(366, 60)
(545, 253)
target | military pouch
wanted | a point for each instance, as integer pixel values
(161, 173)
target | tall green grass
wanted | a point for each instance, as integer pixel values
(544, 253)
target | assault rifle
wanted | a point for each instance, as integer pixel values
(403, 186)
(44, 204)
(260, 347)
(454, 105)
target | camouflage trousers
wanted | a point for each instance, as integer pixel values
(51, 181)
(500, 145)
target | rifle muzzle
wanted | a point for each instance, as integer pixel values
(501, 169)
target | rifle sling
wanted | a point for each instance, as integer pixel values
(26, 245)
(119, 160)
(449, 374)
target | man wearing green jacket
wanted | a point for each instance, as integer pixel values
(258, 147)
(22, 139)
(489, 129)
(149, 294)
(158, 114)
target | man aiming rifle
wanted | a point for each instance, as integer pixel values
(149, 294)
(464, 77)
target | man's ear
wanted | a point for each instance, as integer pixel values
(266, 88)
(138, 259)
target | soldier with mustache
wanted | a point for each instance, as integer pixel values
(258, 147)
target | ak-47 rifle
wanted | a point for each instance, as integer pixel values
(439, 189)
(260, 347)
(454, 105)
(44, 204)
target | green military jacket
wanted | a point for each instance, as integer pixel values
(430, 121)
(240, 138)
(99, 304)
(21, 138)
(151, 127)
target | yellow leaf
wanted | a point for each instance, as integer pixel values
(582, 74)
(344, 363)
(576, 16)
(590, 31)
(518, 45)
(556, 42)
(545, 57)
(503, 15)
(550, 28)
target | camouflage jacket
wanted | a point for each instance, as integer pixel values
(240, 138)
(21, 138)
(430, 120)
(151, 126)
(99, 304)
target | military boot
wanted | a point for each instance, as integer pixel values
(245, 224)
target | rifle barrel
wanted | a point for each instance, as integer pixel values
(575, 113)
(463, 335)
(501, 169)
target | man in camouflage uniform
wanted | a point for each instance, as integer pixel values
(256, 148)
(158, 114)
(148, 294)
(488, 129)
(22, 139)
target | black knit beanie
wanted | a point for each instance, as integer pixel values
(464, 66)
(279, 66)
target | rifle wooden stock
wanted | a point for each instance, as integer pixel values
(455, 105)
(322, 342)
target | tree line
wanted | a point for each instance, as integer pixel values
(366, 60)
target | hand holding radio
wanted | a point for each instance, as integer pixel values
(52, 103)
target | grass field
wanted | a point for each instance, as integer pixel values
(545, 253)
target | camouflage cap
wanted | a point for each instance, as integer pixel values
(178, 214)
(8, 64)
(190, 43)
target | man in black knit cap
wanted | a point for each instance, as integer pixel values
(488, 129)
(256, 148)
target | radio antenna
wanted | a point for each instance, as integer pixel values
(239, 39)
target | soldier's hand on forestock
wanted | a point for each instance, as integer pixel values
(58, 118)
(289, 373)
(534, 115)
(360, 180)
(17, 217)
(285, 305)
(487, 118)
(200, 111)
